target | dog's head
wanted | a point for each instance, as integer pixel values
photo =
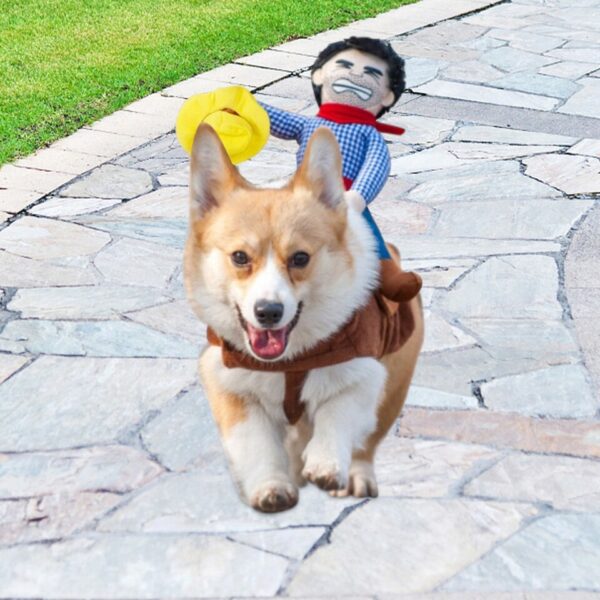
(273, 271)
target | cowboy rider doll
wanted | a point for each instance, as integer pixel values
(355, 81)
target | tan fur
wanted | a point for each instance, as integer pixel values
(400, 367)
(228, 215)
(228, 409)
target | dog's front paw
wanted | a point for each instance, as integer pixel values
(274, 496)
(361, 482)
(326, 475)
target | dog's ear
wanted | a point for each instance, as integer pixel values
(321, 169)
(212, 175)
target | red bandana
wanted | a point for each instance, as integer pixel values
(343, 113)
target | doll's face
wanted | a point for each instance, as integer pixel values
(355, 78)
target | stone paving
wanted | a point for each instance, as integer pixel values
(112, 480)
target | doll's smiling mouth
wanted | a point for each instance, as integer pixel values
(345, 85)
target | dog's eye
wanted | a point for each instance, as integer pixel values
(239, 258)
(298, 260)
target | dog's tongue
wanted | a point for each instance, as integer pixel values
(267, 343)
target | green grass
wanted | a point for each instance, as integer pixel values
(66, 63)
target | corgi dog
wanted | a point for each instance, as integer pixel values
(273, 273)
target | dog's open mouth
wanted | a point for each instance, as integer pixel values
(269, 344)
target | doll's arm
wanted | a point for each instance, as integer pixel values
(375, 169)
(285, 125)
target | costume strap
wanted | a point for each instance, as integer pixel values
(342, 113)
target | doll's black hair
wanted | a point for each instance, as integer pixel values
(372, 46)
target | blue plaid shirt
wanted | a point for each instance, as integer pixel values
(365, 157)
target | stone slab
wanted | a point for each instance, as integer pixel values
(583, 102)
(583, 290)
(63, 207)
(568, 69)
(134, 262)
(20, 272)
(561, 391)
(425, 397)
(84, 302)
(504, 338)
(444, 54)
(472, 71)
(526, 40)
(426, 469)
(520, 286)
(175, 318)
(273, 59)
(98, 143)
(31, 180)
(52, 517)
(565, 483)
(570, 173)
(292, 543)
(441, 335)
(189, 87)
(502, 116)
(451, 534)
(533, 83)
(115, 469)
(65, 161)
(447, 33)
(394, 216)
(14, 201)
(450, 247)
(478, 183)
(506, 135)
(556, 552)
(163, 203)
(587, 147)
(200, 567)
(173, 506)
(9, 364)
(298, 88)
(110, 181)
(126, 122)
(504, 430)
(92, 338)
(38, 412)
(41, 238)
(156, 104)
(156, 156)
(421, 130)
(508, 219)
(457, 154)
(458, 371)
(421, 70)
(168, 232)
(185, 435)
(474, 93)
(247, 75)
(586, 55)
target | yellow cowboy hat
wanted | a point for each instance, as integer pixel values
(239, 120)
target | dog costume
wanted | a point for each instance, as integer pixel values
(379, 328)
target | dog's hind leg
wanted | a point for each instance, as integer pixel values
(400, 367)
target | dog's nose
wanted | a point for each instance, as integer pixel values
(268, 313)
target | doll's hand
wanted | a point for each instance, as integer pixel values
(355, 200)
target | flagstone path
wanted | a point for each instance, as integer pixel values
(112, 479)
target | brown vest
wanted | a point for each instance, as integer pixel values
(381, 327)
